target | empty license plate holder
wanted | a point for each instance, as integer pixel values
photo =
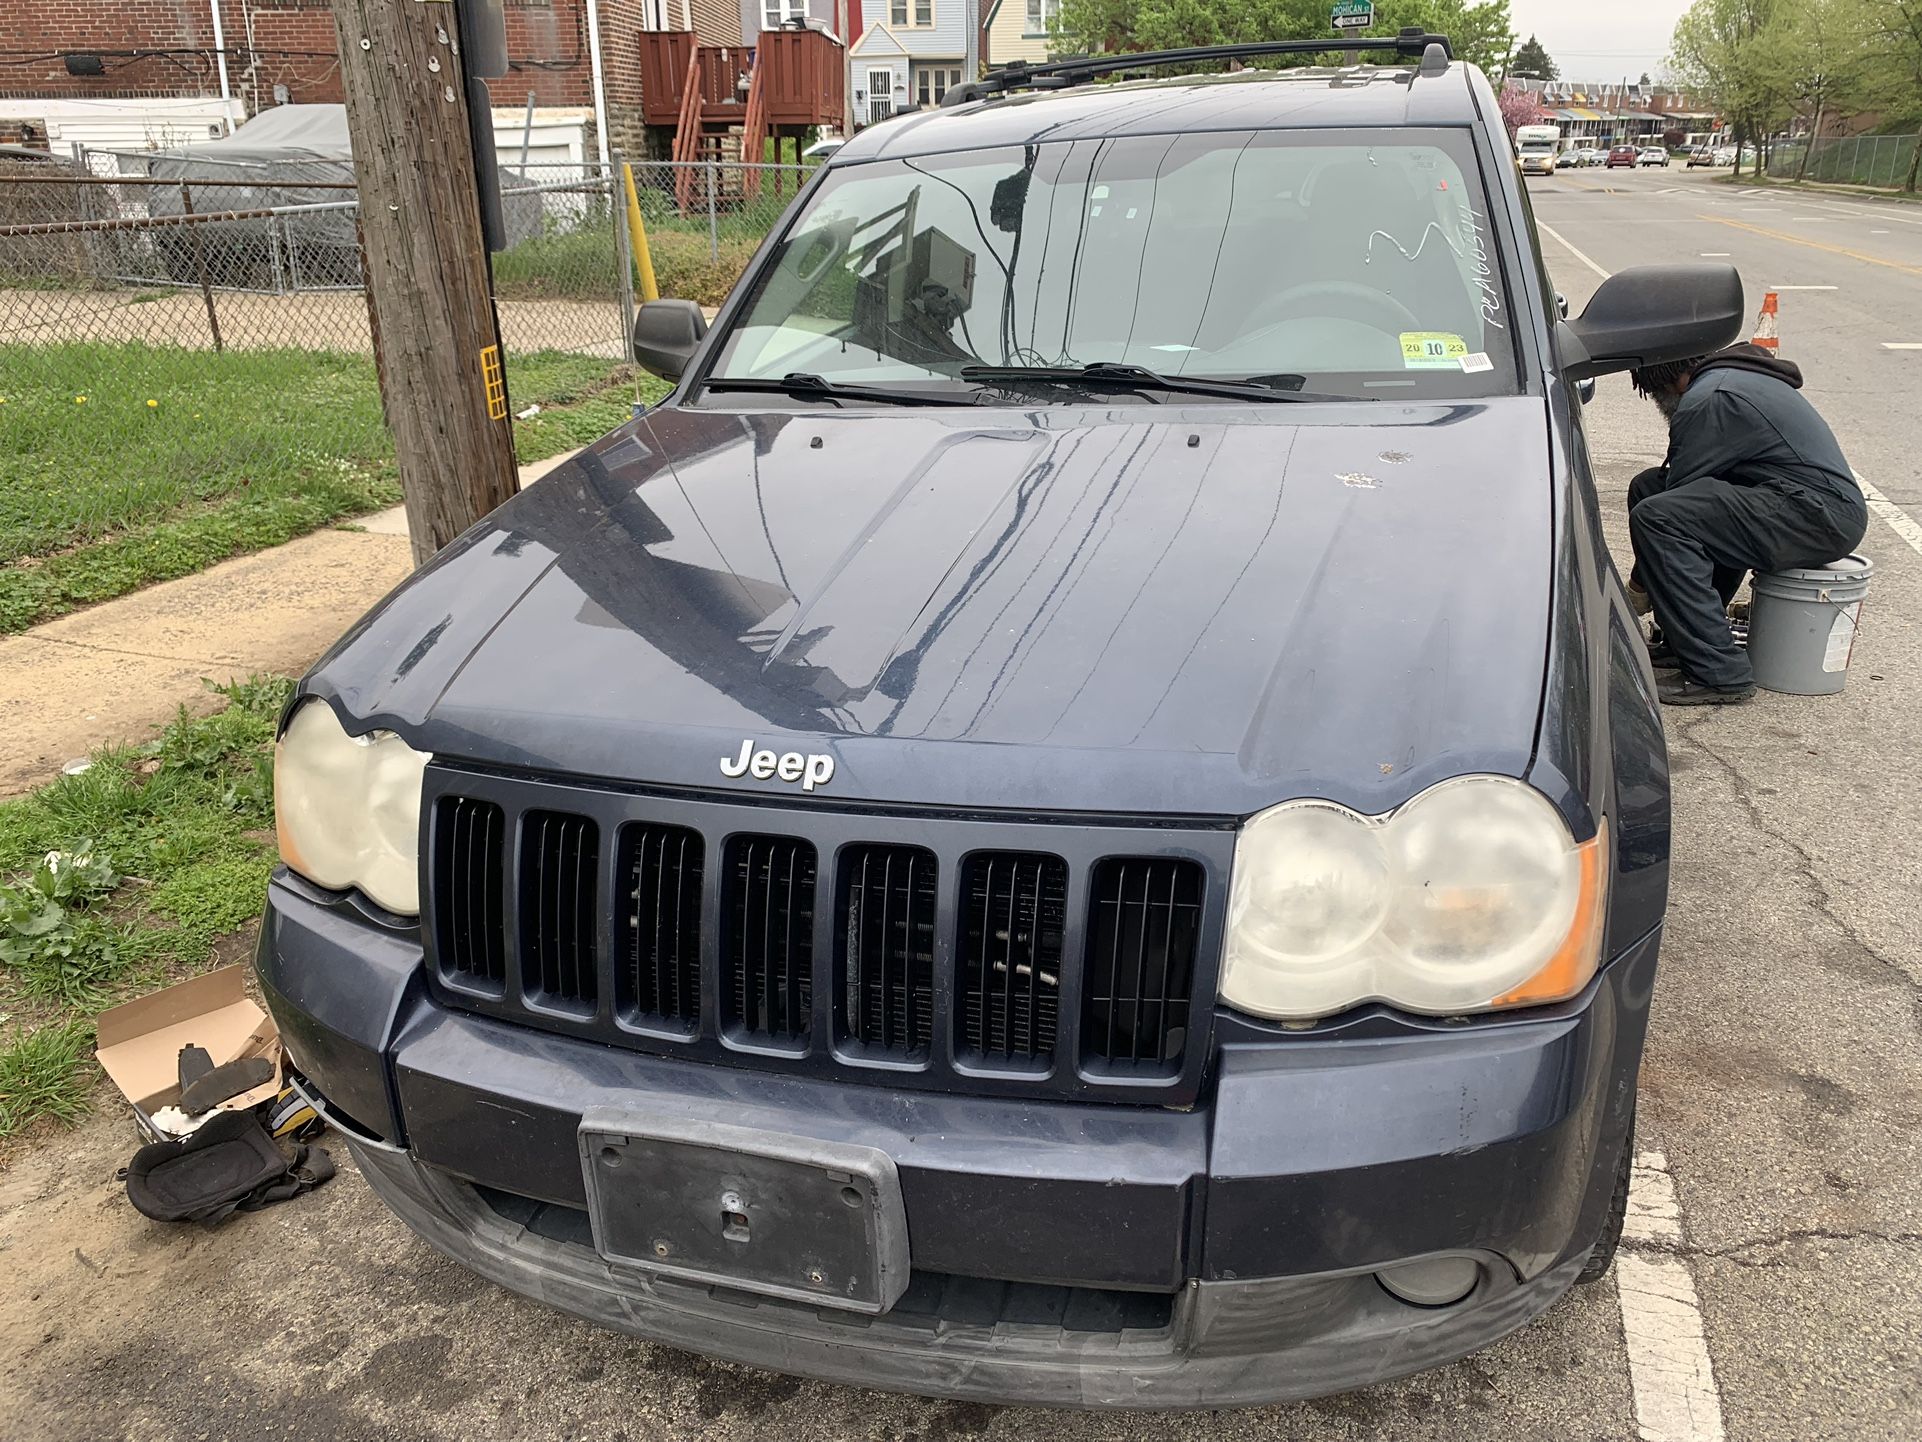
(730, 1206)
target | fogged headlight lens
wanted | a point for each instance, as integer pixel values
(1473, 895)
(348, 807)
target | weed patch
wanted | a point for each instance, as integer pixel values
(175, 856)
(43, 1073)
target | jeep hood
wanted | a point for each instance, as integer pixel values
(1176, 610)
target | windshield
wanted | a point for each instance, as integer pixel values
(1347, 263)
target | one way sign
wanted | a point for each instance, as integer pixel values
(1353, 14)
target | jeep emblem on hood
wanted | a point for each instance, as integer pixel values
(810, 771)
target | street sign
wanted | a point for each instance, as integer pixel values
(1353, 14)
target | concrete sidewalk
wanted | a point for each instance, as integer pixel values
(118, 671)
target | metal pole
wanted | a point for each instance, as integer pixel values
(713, 218)
(527, 133)
(598, 75)
(200, 267)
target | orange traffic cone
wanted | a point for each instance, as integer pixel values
(1765, 324)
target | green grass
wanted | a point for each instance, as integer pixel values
(173, 842)
(43, 1072)
(126, 464)
(580, 400)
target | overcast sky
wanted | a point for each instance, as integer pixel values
(1600, 39)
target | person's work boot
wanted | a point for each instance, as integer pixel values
(1661, 655)
(1638, 599)
(1683, 690)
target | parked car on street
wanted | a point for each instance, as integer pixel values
(1055, 824)
(1653, 155)
(1701, 155)
(1622, 155)
(1587, 155)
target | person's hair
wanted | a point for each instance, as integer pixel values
(1651, 381)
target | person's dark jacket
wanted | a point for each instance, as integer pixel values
(1743, 419)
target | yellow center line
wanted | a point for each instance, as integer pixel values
(1814, 244)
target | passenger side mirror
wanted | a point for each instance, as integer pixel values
(666, 335)
(1648, 314)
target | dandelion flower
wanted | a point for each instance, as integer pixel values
(80, 400)
(153, 403)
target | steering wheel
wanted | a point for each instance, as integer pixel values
(1345, 299)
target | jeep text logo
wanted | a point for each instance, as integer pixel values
(810, 771)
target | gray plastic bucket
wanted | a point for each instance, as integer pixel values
(1802, 625)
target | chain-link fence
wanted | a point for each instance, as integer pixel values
(705, 219)
(186, 358)
(1884, 161)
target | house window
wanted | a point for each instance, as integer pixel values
(1041, 15)
(931, 84)
(776, 13)
(924, 12)
(898, 12)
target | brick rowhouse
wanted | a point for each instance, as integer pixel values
(165, 48)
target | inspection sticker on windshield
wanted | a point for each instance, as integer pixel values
(1431, 350)
(1479, 361)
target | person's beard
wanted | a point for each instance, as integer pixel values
(1666, 402)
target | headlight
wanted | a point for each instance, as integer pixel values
(1471, 896)
(348, 807)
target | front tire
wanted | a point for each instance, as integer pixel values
(1602, 1256)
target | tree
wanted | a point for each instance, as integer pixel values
(1715, 54)
(1644, 80)
(1519, 107)
(1894, 73)
(1813, 52)
(1479, 29)
(1531, 62)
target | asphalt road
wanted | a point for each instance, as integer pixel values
(1777, 1298)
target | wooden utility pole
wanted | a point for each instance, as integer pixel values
(436, 334)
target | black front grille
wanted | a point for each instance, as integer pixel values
(660, 980)
(886, 939)
(559, 857)
(767, 942)
(1138, 970)
(1069, 961)
(470, 873)
(1014, 909)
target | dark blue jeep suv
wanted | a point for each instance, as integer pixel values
(1077, 817)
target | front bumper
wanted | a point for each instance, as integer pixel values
(1069, 1254)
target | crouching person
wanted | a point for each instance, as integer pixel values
(1754, 480)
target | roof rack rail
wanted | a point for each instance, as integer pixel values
(1412, 43)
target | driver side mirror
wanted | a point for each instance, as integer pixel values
(1649, 314)
(666, 335)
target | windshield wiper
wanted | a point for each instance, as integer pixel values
(804, 386)
(1115, 375)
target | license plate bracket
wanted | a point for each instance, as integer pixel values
(761, 1211)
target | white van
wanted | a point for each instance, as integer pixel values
(1535, 148)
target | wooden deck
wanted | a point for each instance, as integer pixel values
(802, 76)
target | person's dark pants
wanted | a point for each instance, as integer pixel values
(1695, 543)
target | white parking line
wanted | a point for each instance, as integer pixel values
(1669, 1371)
(1899, 521)
(1901, 345)
(1563, 241)
(1804, 287)
(1715, 255)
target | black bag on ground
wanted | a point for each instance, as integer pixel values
(229, 1164)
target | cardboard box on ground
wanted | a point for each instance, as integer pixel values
(138, 1044)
